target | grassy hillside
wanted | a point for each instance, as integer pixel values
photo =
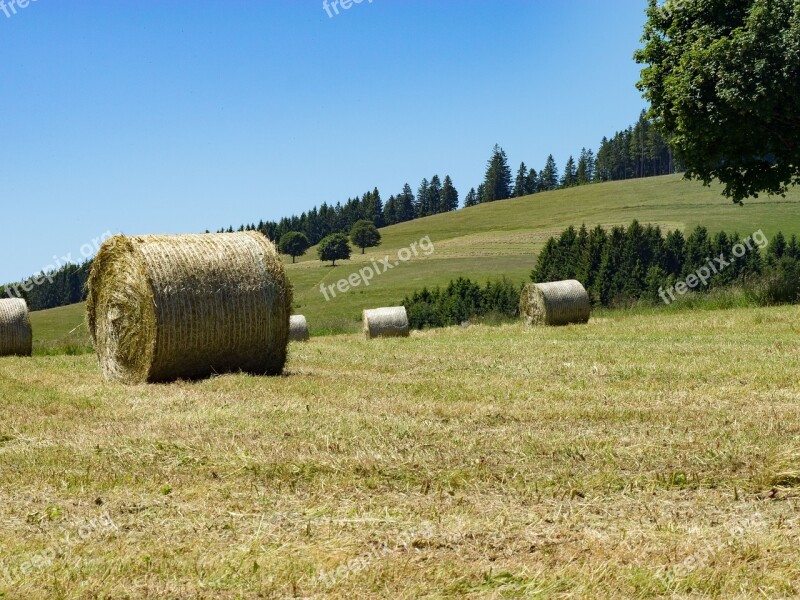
(480, 462)
(502, 238)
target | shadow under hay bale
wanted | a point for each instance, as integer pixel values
(556, 303)
(16, 335)
(386, 322)
(166, 307)
(298, 329)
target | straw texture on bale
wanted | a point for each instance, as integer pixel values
(386, 322)
(298, 329)
(16, 336)
(166, 307)
(557, 303)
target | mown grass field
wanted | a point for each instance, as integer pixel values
(467, 462)
(651, 453)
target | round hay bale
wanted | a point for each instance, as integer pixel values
(386, 322)
(557, 303)
(16, 335)
(298, 329)
(167, 307)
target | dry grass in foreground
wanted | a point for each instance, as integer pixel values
(637, 456)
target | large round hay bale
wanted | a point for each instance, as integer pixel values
(16, 336)
(166, 307)
(386, 322)
(298, 329)
(557, 303)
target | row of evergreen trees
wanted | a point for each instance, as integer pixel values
(65, 286)
(461, 301)
(432, 197)
(639, 151)
(623, 265)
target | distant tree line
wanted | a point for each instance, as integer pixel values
(461, 301)
(624, 265)
(638, 151)
(66, 285)
(432, 197)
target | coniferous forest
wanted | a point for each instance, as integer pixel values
(625, 266)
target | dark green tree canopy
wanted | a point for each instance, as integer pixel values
(294, 244)
(497, 183)
(334, 247)
(365, 235)
(471, 199)
(723, 81)
(548, 178)
(449, 195)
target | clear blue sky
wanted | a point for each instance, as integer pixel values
(175, 116)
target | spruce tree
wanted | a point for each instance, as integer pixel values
(471, 199)
(497, 183)
(406, 205)
(531, 182)
(422, 205)
(449, 195)
(570, 178)
(520, 182)
(583, 172)
(390, 211)
(482, 193)
(435, 196)
(548, 178)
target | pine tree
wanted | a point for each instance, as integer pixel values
(777, 247)
(520, 182)
(422, 206)
(435, 196)
(793, 249)
(570, 178)
(583, 174)
(471, 199)
(370, 209)
(406, 205)
(390, 211)
(449, 196)
(591, 166)
(548, 178)
(497, 183)
(531, 182)
(482, 193)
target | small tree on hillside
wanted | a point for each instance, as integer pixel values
(294, 244)
(334, 247)
(365, 235)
